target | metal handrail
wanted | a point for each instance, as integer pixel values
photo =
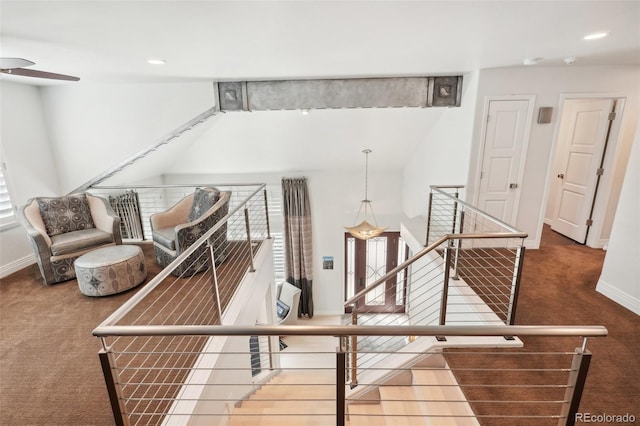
(157, 280)
(514, 233)
(342, 331)
(426, 250)
(438, 188)
(200, 118)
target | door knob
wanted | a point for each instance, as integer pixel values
(561, 175)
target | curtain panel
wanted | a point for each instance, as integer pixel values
(297, 240)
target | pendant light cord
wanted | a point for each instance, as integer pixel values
(366, 174)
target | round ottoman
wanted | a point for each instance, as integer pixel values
(110, 270)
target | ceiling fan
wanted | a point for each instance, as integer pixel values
(14, 66)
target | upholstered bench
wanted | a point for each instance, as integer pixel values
(110, 270)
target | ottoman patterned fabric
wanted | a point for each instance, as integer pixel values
(110, 270)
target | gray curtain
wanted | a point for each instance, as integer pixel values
(297, 240)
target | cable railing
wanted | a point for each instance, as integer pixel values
(168, 360)
(450, 380)
(182, 298)
(468, 274)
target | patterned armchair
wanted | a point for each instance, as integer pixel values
(62, 229)
(178, 228)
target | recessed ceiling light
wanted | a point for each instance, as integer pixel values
(156, 61)
(596, 36)
(531, 61)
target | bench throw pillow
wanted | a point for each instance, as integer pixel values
(65, 214)
(203, 200)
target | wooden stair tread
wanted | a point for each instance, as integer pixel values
(275, 420)
(290, 392)
(365, 415)
(442, 385)
(308, 398)
(288, 406)
(305, 377)
(400, 405)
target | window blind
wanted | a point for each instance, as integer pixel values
(7, 215)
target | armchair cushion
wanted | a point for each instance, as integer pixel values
(165, 237)
(65, 214)
(62, 229)
(74, 241)
(203, 200)
(173, 233)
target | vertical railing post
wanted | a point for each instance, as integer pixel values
(340, 387)
(214, 280)
(515, 284)
(246, 221)
(110, 378)
(354, 350)
(575, 386)
(270, 349)
(455, 213)
(266, 213)
(454, 230)
(429, 218)
(445, 286)
(458, 244)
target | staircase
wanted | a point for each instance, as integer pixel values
(415, 397)
(290, 398)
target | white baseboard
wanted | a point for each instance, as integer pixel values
(532, 244)
(16, 265)
(618, 296)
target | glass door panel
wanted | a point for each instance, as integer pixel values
(366, 262)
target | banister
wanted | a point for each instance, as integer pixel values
(164, 273)
(474, 209)
(200, 118)
(397, 269)
(426, 250)
(341, 331)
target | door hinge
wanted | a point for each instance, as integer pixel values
(612, 116)
(481, 175)
(589, 222)
(600, 171)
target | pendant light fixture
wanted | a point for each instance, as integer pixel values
(365, 230)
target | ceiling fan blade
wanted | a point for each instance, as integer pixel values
(10, 63)
(40, 74)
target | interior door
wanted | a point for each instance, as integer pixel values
(369, 260)
(581, 142)
(499, 190)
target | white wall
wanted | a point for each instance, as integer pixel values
(620, 278)
(95, 127)
(548, 84)
(31, 168)
(442, 158)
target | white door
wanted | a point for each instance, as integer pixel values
(581, 141)
(507, 130)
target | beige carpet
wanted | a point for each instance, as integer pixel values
(50, 374)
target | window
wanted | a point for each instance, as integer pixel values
(7, 214)
(277, 231)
